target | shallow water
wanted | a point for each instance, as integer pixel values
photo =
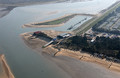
(24, 62)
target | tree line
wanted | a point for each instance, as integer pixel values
(102, 45)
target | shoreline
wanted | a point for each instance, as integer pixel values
(71, 61)
(41, 26)
(94, 17)
(79, 56)
(33, 25)
(7, 73)
(44, 26)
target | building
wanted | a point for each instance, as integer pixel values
(64, 35)
(37, 33)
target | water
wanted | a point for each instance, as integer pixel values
(23, 61)
(90, 7)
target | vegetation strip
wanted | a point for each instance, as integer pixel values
(57, 21)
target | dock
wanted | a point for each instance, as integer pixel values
(48, 43)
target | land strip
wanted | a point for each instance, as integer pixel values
(6, 72)
(54, 22)
(36, 43)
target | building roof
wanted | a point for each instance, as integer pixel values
(64, 35)
(37, 32)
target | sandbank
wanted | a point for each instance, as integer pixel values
(41, 26)
(76, 63)
(5, 69)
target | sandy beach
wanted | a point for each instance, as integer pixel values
(5, 71)
(76, 64)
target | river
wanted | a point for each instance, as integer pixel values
(24, 62)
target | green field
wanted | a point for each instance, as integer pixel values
(57, 21)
